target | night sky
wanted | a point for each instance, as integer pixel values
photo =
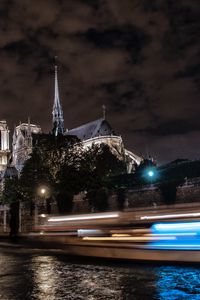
(141, 58)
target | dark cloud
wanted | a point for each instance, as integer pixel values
(124, 95)
(128, 38)
(139, 57)
(173, 128)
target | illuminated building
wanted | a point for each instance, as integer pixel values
(23, 142)
(4, 145)
(95, 132)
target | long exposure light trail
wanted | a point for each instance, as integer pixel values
(187, 236)
(173, 246)
(183, 227)
(131, 239)
(84, 217)
(170, 216)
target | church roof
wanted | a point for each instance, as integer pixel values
(99, 127)
(42, 137)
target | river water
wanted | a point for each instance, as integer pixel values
(44, 275)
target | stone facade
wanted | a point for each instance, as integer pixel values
(23, 142)
(4, 145)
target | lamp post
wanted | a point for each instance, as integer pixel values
(44, 193)
(40, 203)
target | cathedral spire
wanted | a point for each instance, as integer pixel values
(104, 111)
(58, 120)
(29, 134)
(14, 135)
(29, 127)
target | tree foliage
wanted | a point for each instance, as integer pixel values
(66, 168)
(11, 191)
(99, 165)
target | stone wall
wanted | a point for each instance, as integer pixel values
(189, 193)
(144, 197)
(80, 204)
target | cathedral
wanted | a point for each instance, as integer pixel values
(96, 132)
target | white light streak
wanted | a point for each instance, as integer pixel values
(171, 216)
(130, 239)
(82, 218)
(176, 226)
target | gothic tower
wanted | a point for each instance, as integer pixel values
(24, 139)
(58, 120)
(4, 145)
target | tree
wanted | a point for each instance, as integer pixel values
(35, 173)
(62, 164)
(45, 166)
(11, 195)
(98, 166)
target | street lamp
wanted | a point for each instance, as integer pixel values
(43, 194)
(43, 191)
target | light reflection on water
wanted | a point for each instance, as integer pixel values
(178, 283)
(55, 277)
(45, 281)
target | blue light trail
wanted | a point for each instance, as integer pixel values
(186, 236)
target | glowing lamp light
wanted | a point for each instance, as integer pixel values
(43, 191)
(150, 173)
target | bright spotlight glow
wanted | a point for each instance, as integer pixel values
(84, 217)
(150, 173)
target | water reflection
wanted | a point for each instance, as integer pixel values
(44, 277)
(178, 283)
(60, 279)
(15, 281)
(54, 277)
